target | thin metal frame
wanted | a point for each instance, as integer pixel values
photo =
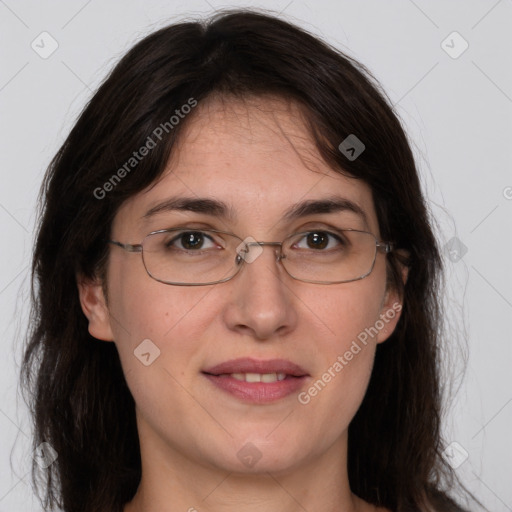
(380, 245)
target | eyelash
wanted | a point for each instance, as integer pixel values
(177, 237)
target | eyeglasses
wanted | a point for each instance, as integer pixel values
(198, 257)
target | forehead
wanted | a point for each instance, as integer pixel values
(256, 156)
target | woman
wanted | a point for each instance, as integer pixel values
(236, 285)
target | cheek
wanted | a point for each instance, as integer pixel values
(142, 307)
(153, 322)
(160, 344)
(342, 321)
(343, 312)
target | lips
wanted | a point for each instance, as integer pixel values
(248, 365)
(257, 382)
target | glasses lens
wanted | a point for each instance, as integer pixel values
(329, 256)
(187, 256)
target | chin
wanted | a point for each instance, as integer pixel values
(257, 455)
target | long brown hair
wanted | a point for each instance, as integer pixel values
(75, 385)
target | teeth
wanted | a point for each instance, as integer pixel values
(259, 377)
(253, 377)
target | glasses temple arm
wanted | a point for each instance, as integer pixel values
(386, 247)
(127, 247)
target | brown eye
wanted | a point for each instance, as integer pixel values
(190, 241)
(317, 240)
(320, 242)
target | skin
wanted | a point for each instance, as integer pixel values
(256, 156)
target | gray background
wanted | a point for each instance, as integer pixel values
(457, 112)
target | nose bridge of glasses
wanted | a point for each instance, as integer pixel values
(278, 244)
(262, 244)
(245, 253)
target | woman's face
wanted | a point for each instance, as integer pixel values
(257, 159)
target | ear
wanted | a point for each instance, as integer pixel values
(391, 309)
(95, 308)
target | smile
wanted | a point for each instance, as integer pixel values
(255, 381)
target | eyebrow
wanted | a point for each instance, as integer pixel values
(329, 205)
(217, 208)
(212, 207)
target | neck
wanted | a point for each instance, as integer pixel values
(174, 482)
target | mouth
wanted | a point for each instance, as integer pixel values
(256, 377)
(255, 381)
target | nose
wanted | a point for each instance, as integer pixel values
(261, 303)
